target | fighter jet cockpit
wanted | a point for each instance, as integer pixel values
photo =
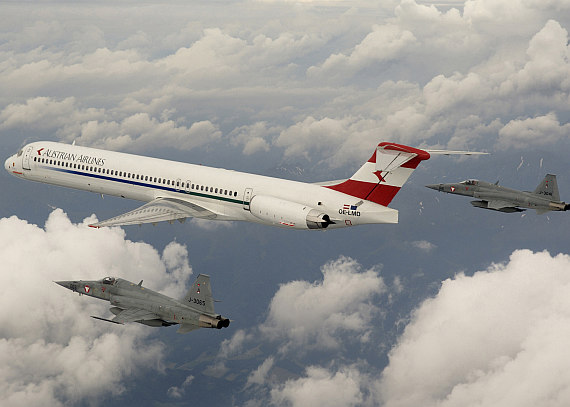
(470, 182)
(109, 280)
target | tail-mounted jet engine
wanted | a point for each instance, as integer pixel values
(284, 213)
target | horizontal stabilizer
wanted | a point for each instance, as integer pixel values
(454, 152)
(542, 211)
(159, 210)
(185, 328)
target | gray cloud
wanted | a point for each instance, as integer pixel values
(326, 92)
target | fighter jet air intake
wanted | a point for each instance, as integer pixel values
(135, 303)
(176, 191)
(545, 197)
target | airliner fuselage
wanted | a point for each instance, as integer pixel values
(175, 190)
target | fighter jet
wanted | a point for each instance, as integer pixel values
(545, 197)
(134, 303)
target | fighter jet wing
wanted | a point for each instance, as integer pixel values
(133, 315)
(498, 204)
(159, 210)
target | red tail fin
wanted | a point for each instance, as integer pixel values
(380, 179)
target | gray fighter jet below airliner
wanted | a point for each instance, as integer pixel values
(545, 197)
(135, 303)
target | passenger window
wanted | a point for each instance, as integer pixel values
(216, 190)
(235, 193)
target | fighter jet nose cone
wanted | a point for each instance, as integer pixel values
(433, 186)
(66, 284)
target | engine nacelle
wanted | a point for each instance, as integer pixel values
(280, 212)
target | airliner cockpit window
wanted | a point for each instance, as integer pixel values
(109, 280)
(20, 153)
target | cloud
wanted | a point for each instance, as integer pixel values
(533, 132)
(498, 337)
(323, 86)
(259, 376)
(424, 245)
(320, 386)
(51, 351)
(178, 392)
(253, 138)
(305, 315)
(495, 338)
(382, 44)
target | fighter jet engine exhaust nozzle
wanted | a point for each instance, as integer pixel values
(290, 214)
(209, 322)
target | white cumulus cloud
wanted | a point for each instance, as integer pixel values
(312, 315)
(498, 337)
(52, 353)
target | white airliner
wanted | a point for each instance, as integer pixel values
(176, 191)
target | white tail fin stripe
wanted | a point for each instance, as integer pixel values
(389, 160)
(395, 178)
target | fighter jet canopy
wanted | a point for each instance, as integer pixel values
(470, 182)
(109, 280)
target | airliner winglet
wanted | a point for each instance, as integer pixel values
(176, 191)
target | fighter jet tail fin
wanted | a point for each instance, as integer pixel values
(382, 176)
(548, 188)
(200, 295)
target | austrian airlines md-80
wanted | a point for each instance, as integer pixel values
(175, 191)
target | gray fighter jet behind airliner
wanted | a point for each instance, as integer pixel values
(545, 197)
(134, 303)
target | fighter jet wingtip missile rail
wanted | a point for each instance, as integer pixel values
(135, 303)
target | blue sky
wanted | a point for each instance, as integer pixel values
(452, 306)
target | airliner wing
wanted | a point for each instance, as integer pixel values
(159, 210)
(133, 315)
